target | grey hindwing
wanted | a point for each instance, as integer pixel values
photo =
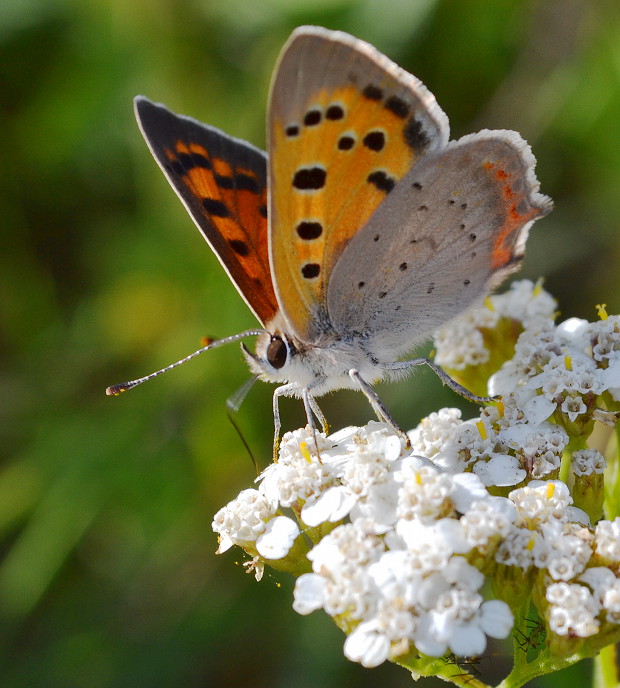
(442, 238)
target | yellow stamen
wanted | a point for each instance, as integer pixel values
(305, 452)
(500, 408)
(418, 478)
(488, 303)
(601, 309)
(550, 490)
(568, 362)
(530, 544)
(538, 287)
(481, 429)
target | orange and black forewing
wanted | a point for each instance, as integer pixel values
(222, 182)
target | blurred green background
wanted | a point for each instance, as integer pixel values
(108, 575)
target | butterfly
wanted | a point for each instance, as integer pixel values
(363, 230)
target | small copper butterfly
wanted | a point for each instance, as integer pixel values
(363, 230)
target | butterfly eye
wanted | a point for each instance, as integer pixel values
(277, 352)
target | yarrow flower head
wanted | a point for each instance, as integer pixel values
(427, 549)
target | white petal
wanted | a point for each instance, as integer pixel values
(332, 505)
(538, 409)
(425, 642)
(496, 619)
(269, 486)
(574, 513)
(278, 538)
(468, 641)
(308, 593)
(503, 381)
(224, 543)
(572, 326)
(379, 505)
(500, 470)
(366, 646)
(453, 533)
(610, 377)
(458, 570)
(467, 488)
(392, 448)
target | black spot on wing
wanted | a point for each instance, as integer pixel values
(334, 112)
(415, 136)
(312, 118)
(398, 106)
(309, 230)
(346, 142)
(292, 130)
(215, 207)
(374, 140)
(239, 182)
(381, 180)
(310, 270)
(309, 178)
(185, 162)
(239, 247)
(372, 92)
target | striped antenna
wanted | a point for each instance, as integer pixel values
(115, 390)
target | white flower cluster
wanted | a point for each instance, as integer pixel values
(563, 368)
(461, 343)
(401, 539)
(395, 574)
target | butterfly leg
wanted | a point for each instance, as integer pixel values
(442, 375)
(282, 391)
(316, 409)
(377, 405)
(310, 407)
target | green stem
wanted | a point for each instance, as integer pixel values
(545, 663)
(441, 668)
(606, 674)
(612, 480)
(520, 638)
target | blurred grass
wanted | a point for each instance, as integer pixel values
(107, 572)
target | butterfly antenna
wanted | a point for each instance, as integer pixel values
(233, 404)
(115, 390)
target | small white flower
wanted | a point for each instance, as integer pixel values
(541, 501)
(538, 409)
(572, 611)
(243, 520)
(588, 462)
(606, 589)
(502, 470)
(458, 617)
(367, 645)
(564, 549)
(492, 516)
(278, 538)
(573, 406)
(607, 537)
(331, 505)
(309, 593)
